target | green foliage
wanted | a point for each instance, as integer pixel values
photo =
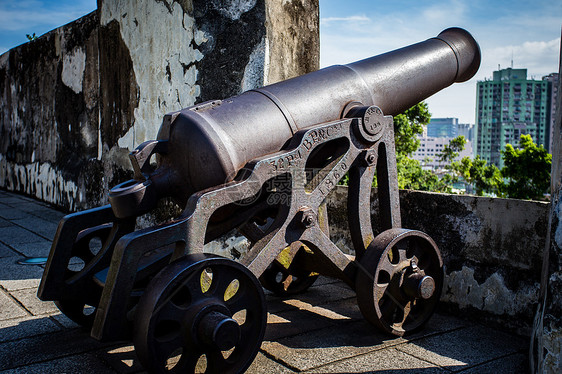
(526, 169)
(411, 176)
(409, 124)
(452, 150)
(31, 37)
(485, 178)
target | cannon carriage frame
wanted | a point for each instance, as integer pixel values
(159, 288)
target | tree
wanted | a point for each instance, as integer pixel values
(407, 126)
(452, 150)
(485, 178)
(527, 169)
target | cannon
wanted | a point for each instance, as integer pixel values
(263, 163)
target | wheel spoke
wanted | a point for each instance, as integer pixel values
(165, 349)
(395, 310)
(169, 311)
(162, 325)
(402, 255)
(216, 363)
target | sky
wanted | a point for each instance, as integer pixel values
(526, 32)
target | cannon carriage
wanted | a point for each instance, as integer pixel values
(262, 163)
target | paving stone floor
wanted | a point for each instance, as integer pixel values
(320, 331)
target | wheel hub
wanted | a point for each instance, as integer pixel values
(218, 330)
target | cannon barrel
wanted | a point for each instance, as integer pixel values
(207, 144)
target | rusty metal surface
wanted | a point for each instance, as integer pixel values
(262, 163)
(200, 307)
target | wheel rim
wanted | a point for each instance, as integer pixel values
(400, 281)
(287, 279)
(86, 247)
(200, 308)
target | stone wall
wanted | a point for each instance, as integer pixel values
(81, 97)
(492, 250)
(546, 346)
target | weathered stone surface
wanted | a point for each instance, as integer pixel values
(86, 363)
(492, 248)
(81, 97)
(16, 277)
(292, 38)
(9, 308)
(320, 347)
(47, 131)
(380, 361)
(18, 328)
(546, 350)
(464, 348)
(28, 298)
(47, 347)
(516, 363)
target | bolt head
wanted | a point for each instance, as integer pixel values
(308, 218)
(370, 159)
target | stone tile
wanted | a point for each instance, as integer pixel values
(9, 308)
(33, 350)
(37, 249)
(338, 310)
(263, 364)
(41, 227)
(11, 199)
(121, 358)
(321, 347)
(14, 276)
(10, 213)
(13, 235)
(19, 328)
(322, 280)
(48, 214)
(379, 361)
(437, 324)
(276, 304)
(5, 251)
(86, 363)
(517, 363)
(5, 222)
(64, 321)
(461, 349)
(292, 323)
(318, 295)
(28, 298)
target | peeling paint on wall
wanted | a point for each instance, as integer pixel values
(490, 296)
(233, 9)
(255, 73)
(165, 73)
(73, 66)
(40, 180)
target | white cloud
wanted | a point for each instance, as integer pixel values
(358, 18)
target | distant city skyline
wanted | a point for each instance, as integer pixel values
(523, 31)
(527, 33)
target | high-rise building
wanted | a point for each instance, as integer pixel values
(553, 92)
(508, 106)
(466, 130)
(443, 127)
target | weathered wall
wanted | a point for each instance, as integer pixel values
(76, 101)
(50, 113)
(492, 249)
(546, 345)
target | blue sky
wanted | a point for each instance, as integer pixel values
(527, 30)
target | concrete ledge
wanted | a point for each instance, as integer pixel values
(492, 249)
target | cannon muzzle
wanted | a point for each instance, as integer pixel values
(208, 144)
